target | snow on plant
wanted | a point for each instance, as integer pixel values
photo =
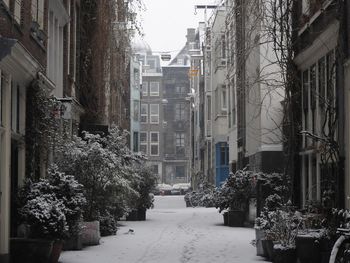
(106, 168)
(52, 206)
(45, 215)
(236, 191)
(284, 227)
(205, 196)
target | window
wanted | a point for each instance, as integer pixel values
(180, 61)
(154, 143)
(182, 90)
(179, 112)
(209, 108)
(145, 89)
(155, 169)
(154, 113)
(224, 154)
(179, 171)
(306, 7)
(136, 110)
(144, 113)
(180, 143)
(143, 142)
(154, 88)
(38, 12)
(136, 142)
(224, 98)
(223, 46)
(151, 63)
(17, 10)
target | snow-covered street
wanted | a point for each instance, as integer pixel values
(172, 234)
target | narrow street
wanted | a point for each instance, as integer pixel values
(172, 234)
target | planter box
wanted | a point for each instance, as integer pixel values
(268, 248)
(284, 255)
(308, 249)
(56, 251)
(141, 214)
(90, 234)
(26, 250)
(259, 236)
(225, 215)
(236, 218)
(326, 245)
(137, 215)
(73, 243)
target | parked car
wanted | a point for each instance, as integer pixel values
(180, 189)
(163, 189)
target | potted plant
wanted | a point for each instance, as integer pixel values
(144, 186)
(52, 209)
(234, 196)
(283, 232)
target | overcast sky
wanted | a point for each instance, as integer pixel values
(165, 22)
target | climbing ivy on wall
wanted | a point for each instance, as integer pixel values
(42, 127)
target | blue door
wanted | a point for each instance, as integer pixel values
(222, 165)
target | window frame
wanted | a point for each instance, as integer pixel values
(17, 11)
(37, 12)
(154, 143)
(153, 115)
(154, 93)
(144, 114)
(145, 89)
(144, 143)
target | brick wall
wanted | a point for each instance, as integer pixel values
(9, 28)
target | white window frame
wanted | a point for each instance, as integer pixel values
(305, 7)
(38, 12)
(154, 143)
(180, 137)
(145, 89)
(145, 142)
(223, 98)
(154, 93)
(179, 111)
(153, 114)
(17, 11)
(144, 114)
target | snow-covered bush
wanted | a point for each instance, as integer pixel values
(145, 184)
(205, 196)
(108, 224)
(67, 189)
(52, 206)
(284, 226)
(235, 191)
(106, 168)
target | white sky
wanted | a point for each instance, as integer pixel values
(165, 22)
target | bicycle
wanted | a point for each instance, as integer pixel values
(341, 248)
